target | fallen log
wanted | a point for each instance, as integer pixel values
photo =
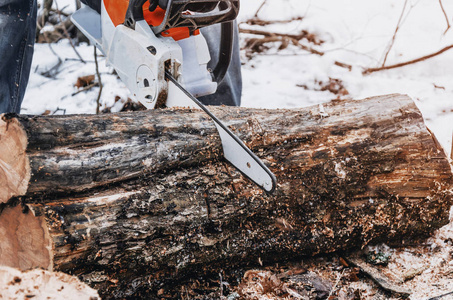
(130, 201)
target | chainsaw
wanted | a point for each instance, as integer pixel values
(158, 51)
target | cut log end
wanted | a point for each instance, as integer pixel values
(451, 152)
(25, 240)
(14, 164)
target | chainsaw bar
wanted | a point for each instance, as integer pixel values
(234, 150)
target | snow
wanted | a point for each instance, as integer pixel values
(56, 94)
(355, 32)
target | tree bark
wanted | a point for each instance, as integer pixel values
(130, 201)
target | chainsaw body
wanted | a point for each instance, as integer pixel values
(158, 51)
(142, 40)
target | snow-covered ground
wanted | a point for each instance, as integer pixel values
(355, 32)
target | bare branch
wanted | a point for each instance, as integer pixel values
(284, 38)
(372, 70)
(98, 104)
(259, 8)
(343, 65)
(254, 43)
(68, 36)
(394, 34)
(84, 89)
(446, 17)
(271, 34)
(261, 22)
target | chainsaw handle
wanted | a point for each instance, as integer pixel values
(208, 15)
(134, 13)
(225, 51)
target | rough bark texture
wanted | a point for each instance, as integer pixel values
(130, 201)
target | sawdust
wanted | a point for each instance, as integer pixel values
(425, 270)
(41, 284)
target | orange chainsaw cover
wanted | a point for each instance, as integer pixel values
(116, 10)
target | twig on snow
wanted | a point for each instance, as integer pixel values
(60, 109)
(299, 36)
(446, 17)
(261, 22)
(52, 72)
(343, 65)
(69, 37)
(98, 104)
(285, 39)
(438, 87)
(394, 34)
(259, 8)
(88, 87)
(255, 43)
(76, 59)
(440, 296)
(372, 70)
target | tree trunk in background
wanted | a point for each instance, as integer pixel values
(131, 201)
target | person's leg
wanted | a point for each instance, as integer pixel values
(17, 36)
(230, 89)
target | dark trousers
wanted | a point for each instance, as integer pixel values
(17, 36)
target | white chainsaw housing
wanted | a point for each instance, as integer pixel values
(145, 62)
(140, 58)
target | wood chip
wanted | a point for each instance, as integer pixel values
(376, 275)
